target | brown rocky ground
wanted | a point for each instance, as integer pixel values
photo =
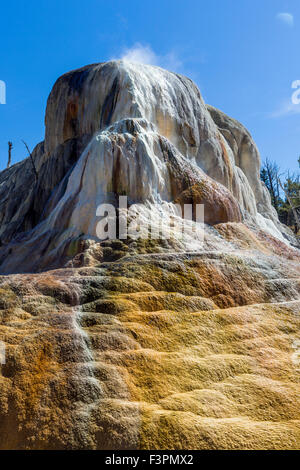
(155, 351)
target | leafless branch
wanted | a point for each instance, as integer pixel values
(10, 147)
(32, 161)
(290, 203)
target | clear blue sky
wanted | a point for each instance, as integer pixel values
(243, 56)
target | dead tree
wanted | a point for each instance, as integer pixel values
(32, 161)
(10, 147)
(294, 209)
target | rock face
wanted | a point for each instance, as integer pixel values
(147, 343)
(121, 128)
(246, 157)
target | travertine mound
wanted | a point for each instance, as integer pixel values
(144, 344)
(121, 128)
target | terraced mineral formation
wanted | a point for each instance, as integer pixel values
(174, 343)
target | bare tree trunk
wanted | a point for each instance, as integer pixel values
(297, 221)
(272, 175)
(32, 161)
(10, 146)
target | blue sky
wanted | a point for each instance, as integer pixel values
(243, 54)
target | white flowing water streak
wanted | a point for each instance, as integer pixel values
(126, 157)
(268, 226)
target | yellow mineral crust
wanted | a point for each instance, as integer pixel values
(155, 351)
